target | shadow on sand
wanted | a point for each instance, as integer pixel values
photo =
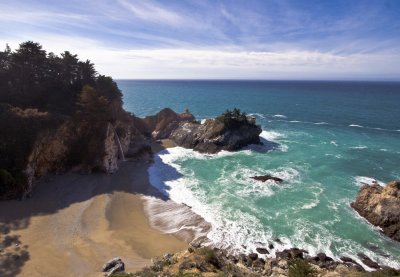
(54, 193)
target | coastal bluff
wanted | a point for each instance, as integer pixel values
(381, 207)
(91, 140)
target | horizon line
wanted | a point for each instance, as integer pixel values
(264, 80)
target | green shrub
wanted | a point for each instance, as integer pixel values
(301, 268)
(233, 118)
(209, 256)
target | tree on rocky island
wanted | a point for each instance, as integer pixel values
(233, 118)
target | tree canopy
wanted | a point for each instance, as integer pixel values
(32, 78)
(39, 92)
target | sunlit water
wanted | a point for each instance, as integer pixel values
(331, 137)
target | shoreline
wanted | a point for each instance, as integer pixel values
(74, 223)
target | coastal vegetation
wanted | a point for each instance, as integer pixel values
(233, 118)
(39, 92)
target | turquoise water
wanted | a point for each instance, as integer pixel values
(331, 136)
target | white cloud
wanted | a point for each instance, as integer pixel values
(148, 11)
(222, 63)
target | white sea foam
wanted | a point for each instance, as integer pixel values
(359, 147)
(363, 180)
(271, 135)
(295, 121)
(257, 115)
(355, 125)
(280, 116)
(233, 228)
(203, 120)
(314, 203)
(334, 142)
(274, 137)
(321, 123)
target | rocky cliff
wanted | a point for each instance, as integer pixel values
(36, 143)
(210, 137)
(381, 207)
(214, 136)
(161, 125)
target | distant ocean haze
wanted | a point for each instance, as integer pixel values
(331, 138)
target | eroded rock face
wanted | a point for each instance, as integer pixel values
(213, 136)
(381, 207)
(163, 123)
(51, 150)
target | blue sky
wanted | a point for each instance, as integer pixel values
(270, 39)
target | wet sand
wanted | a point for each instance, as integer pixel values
(74, 223)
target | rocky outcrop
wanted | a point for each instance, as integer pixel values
(214, 136)
(265, 178)
(113, 266)
(161, 125)
(204, 261)
(70, 147)
(380, 206)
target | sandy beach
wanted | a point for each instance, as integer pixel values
(74, 223)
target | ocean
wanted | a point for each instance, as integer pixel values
(328, 138)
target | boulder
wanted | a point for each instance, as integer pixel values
(292, 253)
(348, 260)
(253, 256)
(367, 261)
(322, 257)
(262, 250)
(380, 206)
(265, 178)
(114, 265)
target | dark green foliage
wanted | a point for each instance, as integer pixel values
(20, 129)
(301, 268)
(159, 265)
(7, 181)
(39, 91)
(233, 118)
(29, 77)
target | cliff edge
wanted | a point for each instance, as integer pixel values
(381, 207)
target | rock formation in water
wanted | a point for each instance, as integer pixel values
(161, 125)
(381, 207)
(267, 177)
(227, 132)
(214, 136)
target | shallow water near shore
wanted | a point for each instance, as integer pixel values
(331, 138)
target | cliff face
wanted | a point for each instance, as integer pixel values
(381, 207)
(39, 143)
(52, 152)
(214, 136)
(161, 125)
